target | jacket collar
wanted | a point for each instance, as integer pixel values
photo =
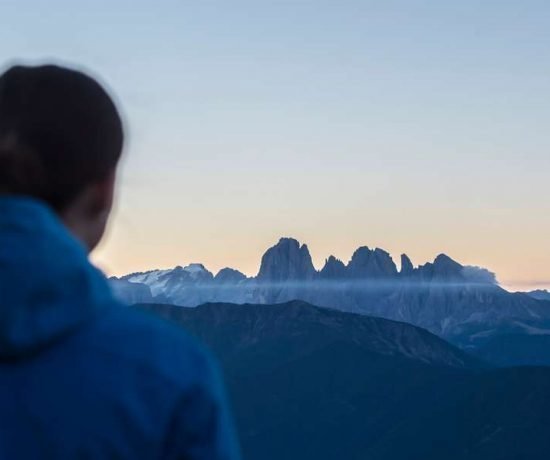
(48, 288)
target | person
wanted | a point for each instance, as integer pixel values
(80, 375)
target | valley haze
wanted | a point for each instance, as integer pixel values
(463, 304)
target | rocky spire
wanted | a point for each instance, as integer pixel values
(406, 265)
(287, 260)
(367, 263)
(334, 269)
(443, 268)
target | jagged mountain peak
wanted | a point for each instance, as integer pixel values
(190, 268)
(361, 252)
(443, 296)
(407, 267)
(288, 240)
(229, 275)
(375, 263)
(287, 260)
(333, 269)
(444, 266)
(444, 259)
(195, 267)
(193, 271)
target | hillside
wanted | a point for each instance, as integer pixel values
(309, 382)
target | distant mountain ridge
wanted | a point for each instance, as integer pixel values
(539, 294)
(300, 322)
(463, 304)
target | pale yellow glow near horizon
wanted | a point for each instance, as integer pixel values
(156, 237)
(419, 127)
(224, 204)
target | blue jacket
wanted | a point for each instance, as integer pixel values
(83, 377)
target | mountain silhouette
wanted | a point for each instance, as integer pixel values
(463, 304)
(309, 382)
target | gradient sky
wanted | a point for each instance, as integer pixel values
(416, 126)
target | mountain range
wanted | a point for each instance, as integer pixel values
(316, 383)
(463, 304)
(419, 362)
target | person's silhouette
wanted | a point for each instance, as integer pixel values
(80, 375)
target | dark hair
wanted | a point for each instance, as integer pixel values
(59, 132)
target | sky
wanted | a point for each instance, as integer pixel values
(415, 126)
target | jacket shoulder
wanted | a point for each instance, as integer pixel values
(136, 338)
(201, 426)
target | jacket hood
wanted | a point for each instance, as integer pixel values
(48, 288)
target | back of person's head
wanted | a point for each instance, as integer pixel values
(60, 134)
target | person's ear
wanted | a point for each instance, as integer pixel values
(88, 214)
(100, 196)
